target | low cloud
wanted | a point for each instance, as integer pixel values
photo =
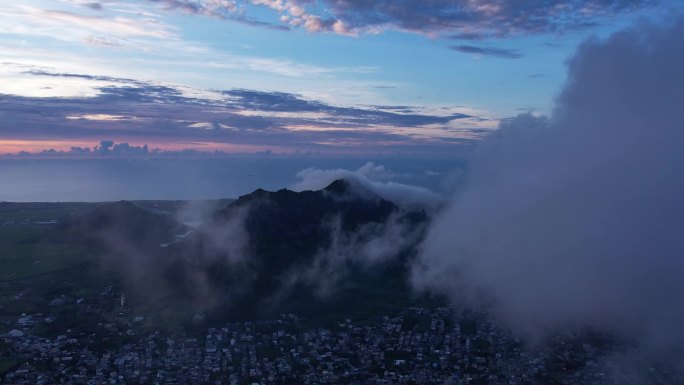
(375, 178)
(488, 51)
(107, 148)
(575, 220)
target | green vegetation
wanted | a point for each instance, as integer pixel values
(34, 272)
(8, 365)
(38, 266)
(41, 211)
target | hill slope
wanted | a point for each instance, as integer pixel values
(286, 250)
(118, 226)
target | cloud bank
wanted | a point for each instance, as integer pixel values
(464, 19)
(575, 220)
(124, 150)
(372, 177)
(236, 120)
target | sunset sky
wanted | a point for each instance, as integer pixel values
(332, 77)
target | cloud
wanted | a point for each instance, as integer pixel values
(68, 25)
(372, 177)
(222, 9)
(286, 102)
(125, 27)
(575, 220)
(94, 6)
(119, 26)
(464, 19)
(108, 148)
(208, 7)
(488, 51)
(144, 112)
(371, 245)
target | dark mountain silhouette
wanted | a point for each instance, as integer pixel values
(265, 253)
(248, 250)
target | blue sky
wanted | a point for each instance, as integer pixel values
(285, 76)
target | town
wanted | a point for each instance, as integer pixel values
(416, 346)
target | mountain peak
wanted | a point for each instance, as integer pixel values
(340, 186)
(288, 218)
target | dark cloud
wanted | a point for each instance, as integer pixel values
(130, 110)
(285, 102)
(464, 19)
(94, 6)
(575, 220)
(489, 17)
(104, 146)
(468, 36)
(38, 72)
(488, 51)
(275, 101)
(402, 109)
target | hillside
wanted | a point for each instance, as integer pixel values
(114, 225)
(337, 252)
(304, 251)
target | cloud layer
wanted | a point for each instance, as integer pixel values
(465, 19)
(575, 220)
(235, 120)
(371, 177)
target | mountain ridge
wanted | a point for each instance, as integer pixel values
(265, 246)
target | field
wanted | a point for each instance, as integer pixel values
(31, 269)
(36, 273)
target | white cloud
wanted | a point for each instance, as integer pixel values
(575, 220)
(71, 25)
(375, 178)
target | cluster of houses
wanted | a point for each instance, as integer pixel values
(416, 346)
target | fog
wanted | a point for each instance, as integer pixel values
(371, 177)
(369, 246)
(576, 219)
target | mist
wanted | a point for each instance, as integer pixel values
(370, 246)
(575, 220)
(372, 177)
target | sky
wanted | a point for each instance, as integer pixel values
(158, 79)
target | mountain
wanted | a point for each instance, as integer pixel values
(121, 225)
(297, 223)
(277, 251)
(335, 252)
